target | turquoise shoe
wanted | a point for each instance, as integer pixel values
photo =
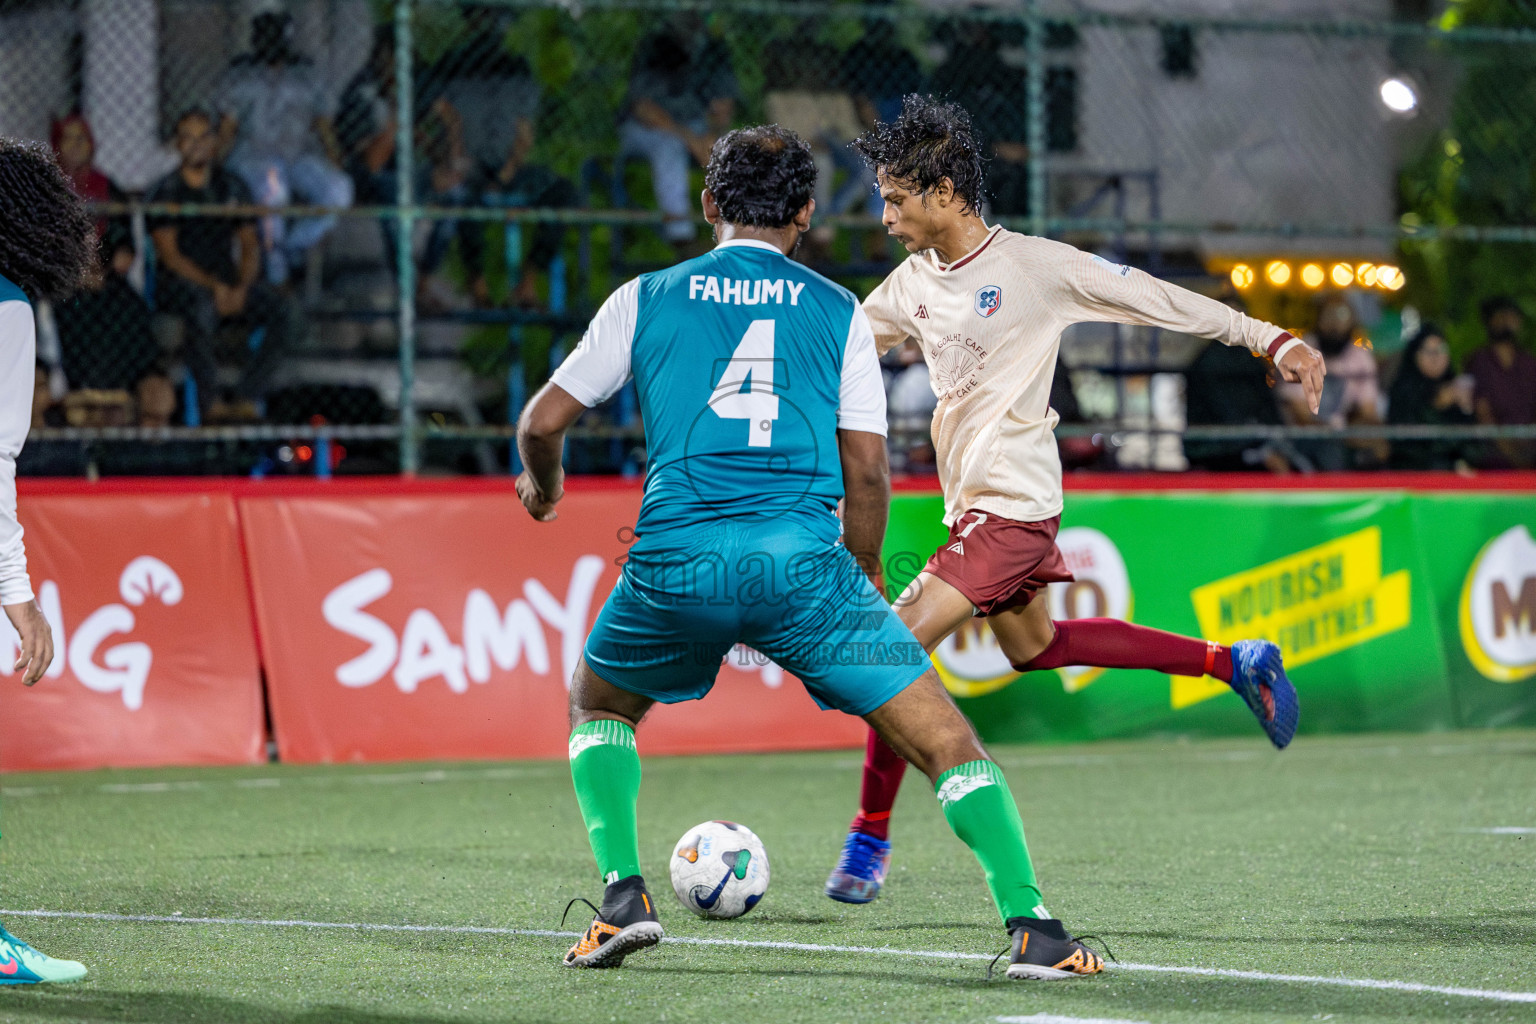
(20, 964)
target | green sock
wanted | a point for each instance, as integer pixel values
(606, 770)
(981, 810)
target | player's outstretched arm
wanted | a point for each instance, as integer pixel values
(541, 441)
(867, 498)
(1087, 288)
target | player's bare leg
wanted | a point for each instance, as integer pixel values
(931, 609)
(923, 724)
(605, 768)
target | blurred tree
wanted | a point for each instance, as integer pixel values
(1480, 170)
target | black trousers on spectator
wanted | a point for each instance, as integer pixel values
(265, 307)
(531, 187)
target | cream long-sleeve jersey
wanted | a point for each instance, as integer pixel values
(18, 360)
(990, 325)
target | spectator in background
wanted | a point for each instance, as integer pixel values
(493, 90)
(682, 96)
(1505, 376)
(1351, 392)
(1427, 391)
(877, 71)
(367, 130)
(993, 91)
(105, 340)
(74, 146)
(276, 132)
(1229, 387)
(210, 269)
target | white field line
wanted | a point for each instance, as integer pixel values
(1056, 1018)
(806, 947)
(539, 767)
(1502, 830)
(274, 782)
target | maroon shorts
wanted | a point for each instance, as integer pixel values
(999, 563)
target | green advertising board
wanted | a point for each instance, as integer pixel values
(1394, 610)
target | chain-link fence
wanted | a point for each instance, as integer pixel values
(354, 235)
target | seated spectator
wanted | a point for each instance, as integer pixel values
(806, 96)
(1505, 375)
(1351, 393)
(1428, 391)
(105, 341)
(910, 402)
(75, 148)
(682, 96)
(275, 131)
(367, 131)
(1228, 386)
(210, 268)
(976, 76)
(877, 71)
(495, 94)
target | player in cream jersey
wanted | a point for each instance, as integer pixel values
(988, 307)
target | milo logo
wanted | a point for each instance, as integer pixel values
(1497, 614)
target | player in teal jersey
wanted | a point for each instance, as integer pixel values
(763, 407)
(47, 250)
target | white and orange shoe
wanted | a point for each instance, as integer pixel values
(624, 923)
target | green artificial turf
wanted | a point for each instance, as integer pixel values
(1342, 857)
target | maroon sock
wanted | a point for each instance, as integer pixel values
(1110, 643)
(883, 769)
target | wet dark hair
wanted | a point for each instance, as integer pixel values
(47, 239)
(930, 141)
(761, 176)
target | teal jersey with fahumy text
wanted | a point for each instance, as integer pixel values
(746, 364)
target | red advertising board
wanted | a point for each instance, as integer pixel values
(155, 658)
(417, 626)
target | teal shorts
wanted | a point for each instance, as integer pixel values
(686, 598)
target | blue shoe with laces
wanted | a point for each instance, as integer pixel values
(860, 870)
(1258, 676)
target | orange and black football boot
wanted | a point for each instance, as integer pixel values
(1043, 950)
(624, 923)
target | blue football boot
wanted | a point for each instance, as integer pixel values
(1259, 678)
(860, 870)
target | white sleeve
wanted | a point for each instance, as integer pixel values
(18, 362)
(861, 398)
(600, 364)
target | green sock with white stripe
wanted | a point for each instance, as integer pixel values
(606, 770)
(979, 807)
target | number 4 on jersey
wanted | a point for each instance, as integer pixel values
(745, 389)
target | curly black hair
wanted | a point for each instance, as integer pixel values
(760, 176)
(930, 141)
(47, 240)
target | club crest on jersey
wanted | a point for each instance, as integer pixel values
(989, 300)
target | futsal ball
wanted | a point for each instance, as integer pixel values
(719, 869)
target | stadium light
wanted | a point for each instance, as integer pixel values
(1365, 274)
(1390, 277)
(1278, 272)
(1242, 276)
(1312, 275)
(1343, 275)
(1398, 95)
